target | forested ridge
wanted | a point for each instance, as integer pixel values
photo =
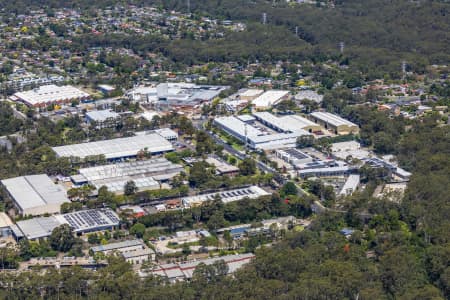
(378, 35)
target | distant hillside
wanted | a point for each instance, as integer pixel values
(378, 34)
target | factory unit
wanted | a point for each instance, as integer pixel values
(83, 221)
(269, 99)
(184, 271)
(350, 185)
(325, 172)
(309, 95)
(221, 167)
(400, 173)
(125, 246)
(134, 251)
(106, 89)
(24, 81)
(50, 94)
(146, 174)
(290, 123)
(117, 148)
(166, 133)
(294, 157)
(251, 192)
(343, 150)
(35, 195)
(103, 118)
(334, 123)
(160, 168)
(139, 256)
(256, 137)
(176, 94)
(249, 94)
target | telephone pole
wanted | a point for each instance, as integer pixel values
(341, 47)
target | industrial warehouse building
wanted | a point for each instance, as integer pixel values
(294, 157)
(50, 94)
(325, 172)
(251, 192)
(176, 94)
(117, 148)
(290, 123)
(145, 174)
(102, 118)
(134, 251)
(184, 271)
(35, 194)
(350, 185)
(257, 137)
(334, 123)
(309, 95)
(124, 246)
(249, 94)
(81, 222)
(400, 173)
(269, 99)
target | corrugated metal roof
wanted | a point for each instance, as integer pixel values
(116, 148)
(332, 119)
(34, 191)
(102, 115)
(118, 245)
(38, 227)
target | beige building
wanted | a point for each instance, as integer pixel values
(250, 94)
(35, 195)
(139, 256)
(269, 99)
(334, 123)
(134, 251)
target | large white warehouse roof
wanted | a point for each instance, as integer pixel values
(332, 119)
(117, 148)
(251, 192)
(50, 93)
(269, 98)
(35, 194)
(237, 126)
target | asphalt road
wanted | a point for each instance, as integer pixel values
(262, 166)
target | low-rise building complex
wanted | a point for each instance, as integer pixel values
(117, 148)
(256, 137)
(184, 271)
(269, 99)
(145, 174)
(50, 94)
(35, 194)
(334, 123)
(81, 222)
(251, 192)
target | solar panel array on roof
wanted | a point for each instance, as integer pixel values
(295, 153)
(89, 220)
(80, 221)
(226, 196)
